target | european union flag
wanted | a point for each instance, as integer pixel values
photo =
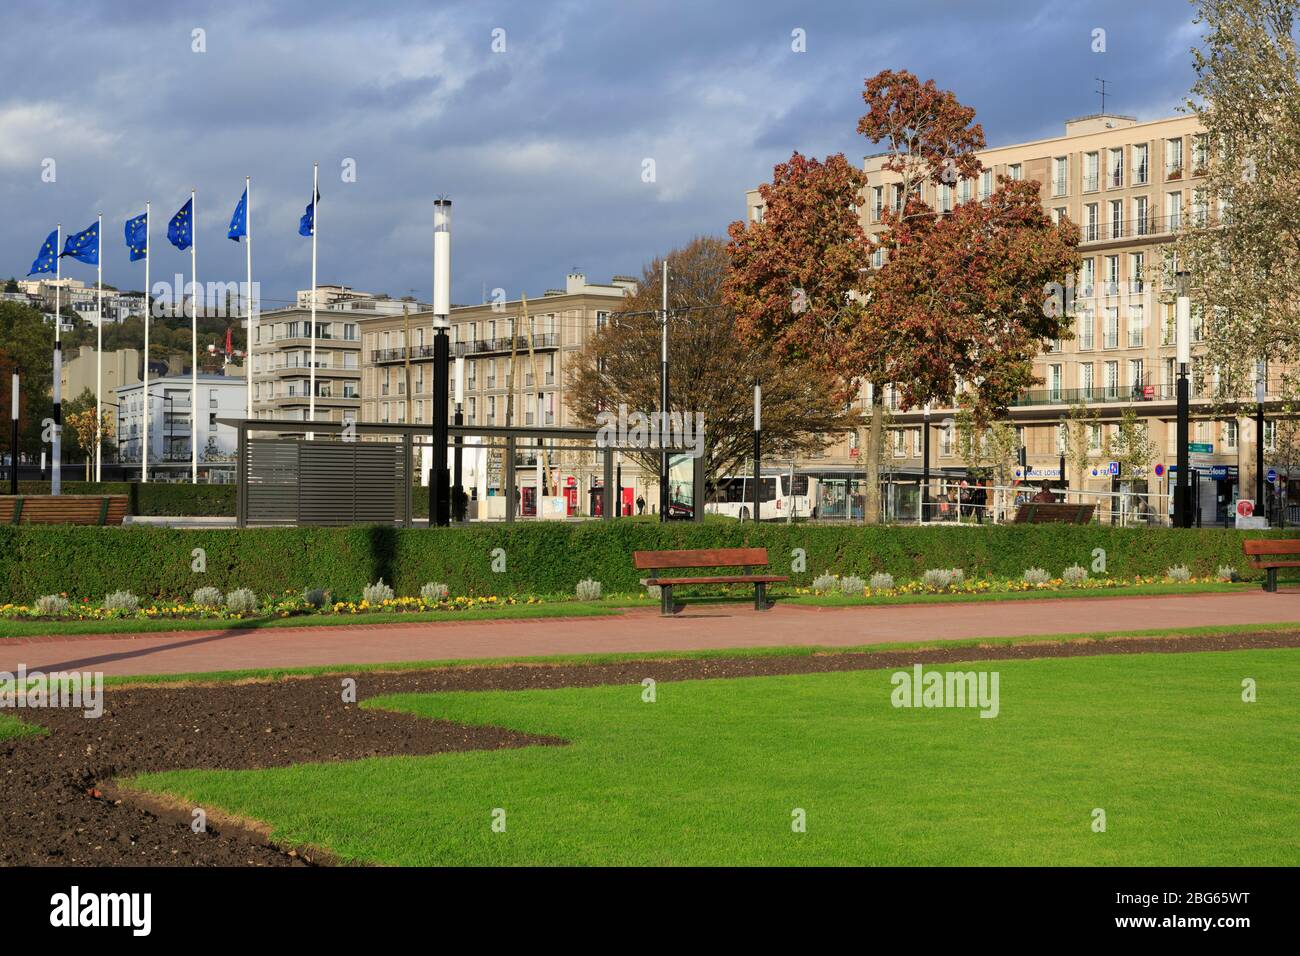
(180, 231)
(307, 224)
(239, 221)
(83, 246)
(46, 258)
(137, 236)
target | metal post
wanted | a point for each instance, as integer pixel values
(408, 455)
(458, 478)
(439, 480)
(758, 448)
(241, 475)
(608, 490)
(925, 465)
(663, 401)
(1182, 331)
(13, 436)
(510, 478)
(618, 488)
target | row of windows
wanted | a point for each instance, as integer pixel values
(525, 413)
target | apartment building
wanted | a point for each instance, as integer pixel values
(1129, 186)
(219, 396)
(557, 325)
(281, 363)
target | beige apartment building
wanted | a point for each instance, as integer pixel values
(398, 348)
(1129, 186)
(281, 363)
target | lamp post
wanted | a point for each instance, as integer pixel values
(13, 432)
(1183, 340)
(758, 447)
(439, 480)
(925, 464)
(458, 500)
(1261, 375)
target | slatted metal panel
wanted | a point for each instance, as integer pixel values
(272, 488)
(294, 482)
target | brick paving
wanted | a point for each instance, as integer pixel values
(641, 629)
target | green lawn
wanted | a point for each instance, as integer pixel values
(11, 726)
(709, 774)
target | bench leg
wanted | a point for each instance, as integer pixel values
(666, 605)
(1270, 580)
(761, 602)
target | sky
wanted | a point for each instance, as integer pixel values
(535, 118)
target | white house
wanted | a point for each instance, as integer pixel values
(219, 396)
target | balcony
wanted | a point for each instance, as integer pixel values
(1143, 227)
(1101, 394)
(550, 340)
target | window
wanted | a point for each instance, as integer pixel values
(1086, 380)
(1062, 438)
(1058, 215)
(900, 442)
(1230, 436)
(1115, 175)
(1141, 169)
(1090, 172)
(491, 410)
(1200, 207)
(946, 435)
(1054, 383)
(1091, 222)
(1137, 263)
(1270, 435)
(945, 197)
(1198, 324)
(1060, 175)
(986, 184)
(1174, 158)
(964, 191)
(1112, 380)
(1016, 172)
(1094, 437)
(1110, 329)
(1112, 275)
(1086, 327)
(1117, 218)
(1136, 325)
(898, 198)
(1174, 211)
(1137, 376)
(756, 213)
(1087, 277)
(1141, 216)
(877, 202)
(1200, 154)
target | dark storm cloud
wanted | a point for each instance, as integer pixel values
(540, 147)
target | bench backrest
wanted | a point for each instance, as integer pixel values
(703, 558)
(1266, 546)
(1048, 512)
(63, 509)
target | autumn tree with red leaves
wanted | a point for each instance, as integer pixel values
(959, 300)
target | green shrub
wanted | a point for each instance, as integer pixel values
(1179, 573)
(122, 601)
(550, 558)
(209, 597)
(433, 592)
(378, 593)
(826, 582)
(881, 581)
(587, 590)
(154, 498)
(316, 597)
(1074, 575)
(51, 605)
(1035, 576)
(852, 585)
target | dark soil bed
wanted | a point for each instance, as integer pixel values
(58, 804)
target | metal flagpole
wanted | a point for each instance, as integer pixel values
(56, 471)
(148, 311)
(311, 386)
(194, 344)
(663, 405)
(99, 350)
(250, 329)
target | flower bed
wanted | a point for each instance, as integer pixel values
(963, 585)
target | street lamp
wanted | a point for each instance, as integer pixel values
(1261, 375)
(1183, 342)
(458, 502)
(758, 446)
(439, 480)
(13, 433)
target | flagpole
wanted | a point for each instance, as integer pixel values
(56, 469)
(250, 331)
(148, 310)
(99, 351)
(194, 345)
(311, 387)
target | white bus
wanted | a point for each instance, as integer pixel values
(733, 496)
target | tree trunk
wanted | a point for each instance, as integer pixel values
(875, 435)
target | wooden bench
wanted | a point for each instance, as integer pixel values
(1269, 554)
(63, 509)
(1053, 512)
(745, 558)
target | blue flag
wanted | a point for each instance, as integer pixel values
(45, 259)
(180, 231)
(137, 237)
(239, 221)
(83, 246)
(307, 224)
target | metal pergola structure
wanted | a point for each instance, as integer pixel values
(494, 437)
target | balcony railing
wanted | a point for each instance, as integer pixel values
(1098, 394)
(1136, 228)
(549, 340)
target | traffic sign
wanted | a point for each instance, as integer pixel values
(1200, 447)
(1245, 507)
(1272, 476)
(1160, 471)
(1112, 468)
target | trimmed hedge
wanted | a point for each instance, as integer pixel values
(153, 498)
(551, 558)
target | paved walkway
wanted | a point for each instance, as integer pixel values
(638, 630)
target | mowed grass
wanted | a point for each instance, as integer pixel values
(711, 772)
